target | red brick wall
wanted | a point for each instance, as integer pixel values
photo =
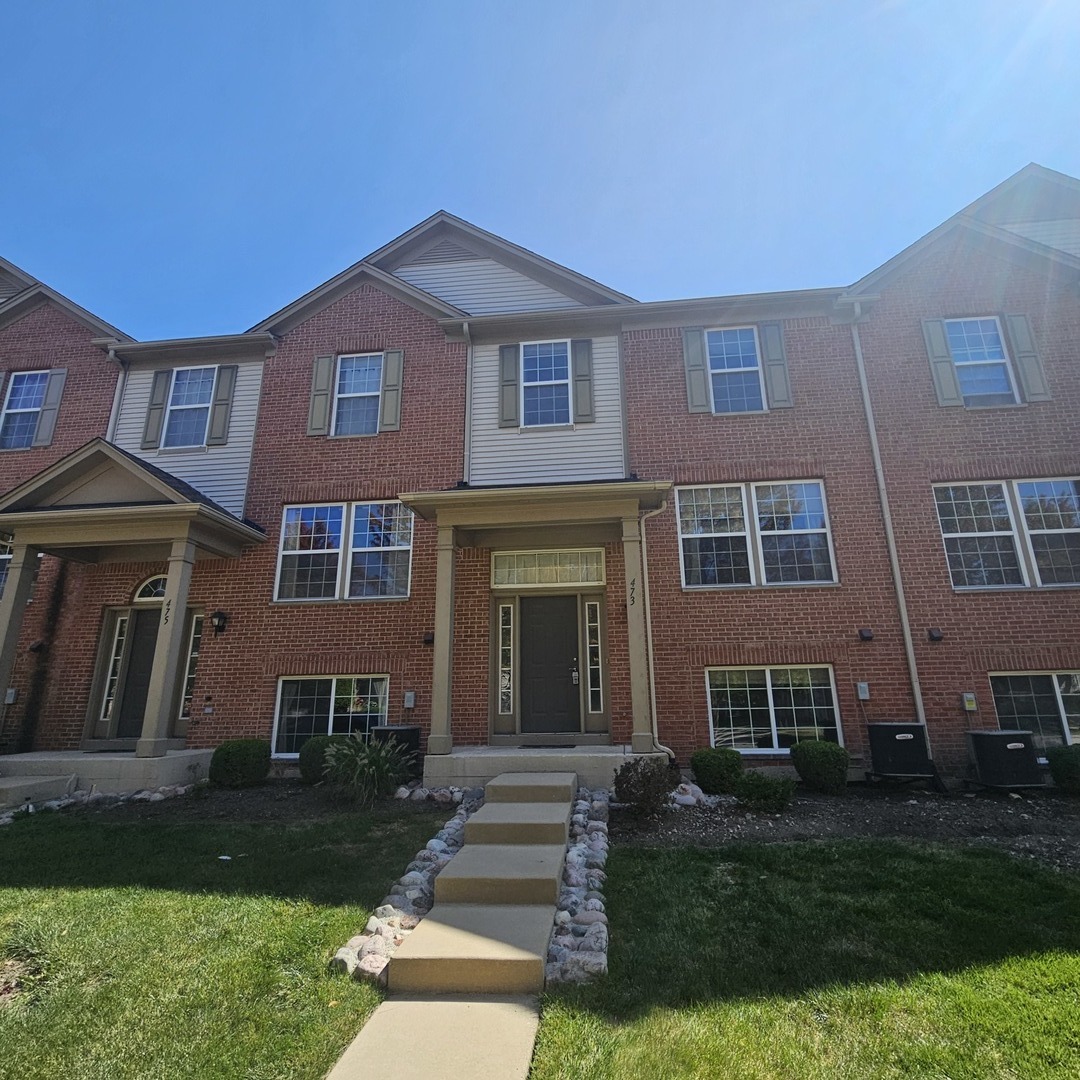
(823, 437)
(924, 443)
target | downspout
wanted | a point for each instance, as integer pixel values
(890, 536)
(657, 744)
(466, 462)
(118, 395)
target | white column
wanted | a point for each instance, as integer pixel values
(20, 579)
(161, 697)
(642, 738)
(441, 740)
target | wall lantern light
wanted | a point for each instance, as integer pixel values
(866, 634)
(219, 620)
(934, 634)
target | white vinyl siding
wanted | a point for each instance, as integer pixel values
(483, 287)
(1063, 234)
(592, 451)
(219, 472)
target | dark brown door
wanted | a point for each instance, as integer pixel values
(144, 631)
(550, 696)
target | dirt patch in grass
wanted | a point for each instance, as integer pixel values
(14, 977)
(1041, 825)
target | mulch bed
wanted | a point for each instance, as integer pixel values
(1040, 825)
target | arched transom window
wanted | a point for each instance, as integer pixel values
(152, 589)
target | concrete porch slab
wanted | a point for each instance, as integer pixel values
(18, 790)
(110, 770)
(474, 766)
(448, 1038)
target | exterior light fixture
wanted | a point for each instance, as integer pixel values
(866, 634)
(934, 634)
(429, 637)
(219, 620)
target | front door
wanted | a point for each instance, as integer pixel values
(550, 675)
(144, 631)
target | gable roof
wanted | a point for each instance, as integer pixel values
(1034, 194)
(30, 293)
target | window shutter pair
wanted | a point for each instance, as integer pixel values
(1025, 360)
(217, 426)
(50, 406)
(320, 407)
(773, 363)
(582, 406)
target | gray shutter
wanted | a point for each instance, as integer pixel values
(581, 352)
(774, 363)
(697, 371)
(942, 368)
(217, 430)
(50, 406)
(1028, 366)
(155, 414)
(390, 410)
(508, 385)
(322, 385)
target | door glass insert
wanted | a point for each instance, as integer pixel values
(592, 652)
(192, 665)
(506, 659)
(116, 658)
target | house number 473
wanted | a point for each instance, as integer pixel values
(633, 591)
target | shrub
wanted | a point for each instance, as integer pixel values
(1065, 767)
(240, 763)
(821, 765)
(770, 794)
(365, 771)
(644, 785)
(717, 770)
(313, 757)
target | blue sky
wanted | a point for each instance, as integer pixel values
(188, 168)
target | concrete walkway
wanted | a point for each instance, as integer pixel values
(463, 985)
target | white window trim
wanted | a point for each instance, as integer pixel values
(753, 535)
(1017, 399)
(282, 679)
(729, 371)
(7, 410)
(1020, 532)
(170, 408)
(345, 548)
(1052, 673)
(378, 394)
(753, 751)
(547, 382)
(564, 585)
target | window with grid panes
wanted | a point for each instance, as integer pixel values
(339, 705)
(1046, 704)
(545, 383)
(981, 362)
(735, 370)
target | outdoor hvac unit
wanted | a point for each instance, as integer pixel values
(1004, 759)
(408, 735)
(899, 751)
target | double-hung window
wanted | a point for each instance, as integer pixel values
(188, 410)
(342, 705)
(357, 394)
(755, 534)
(1045, 703)
(771, 708)
(982, 364)
(350, 551)
(6, 552)
(545, 383)
(735, 372)
(982, 525)
(22, 408)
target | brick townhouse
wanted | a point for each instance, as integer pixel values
(465, 488)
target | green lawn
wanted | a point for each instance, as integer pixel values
(151, 958)
(854, 959)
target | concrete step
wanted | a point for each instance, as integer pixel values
(16, 790)
(451, 1038)
(474, 948)
(532, 787)
(519, 823)
(502, 874)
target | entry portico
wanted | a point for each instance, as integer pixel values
(559, 532)
(101, 505)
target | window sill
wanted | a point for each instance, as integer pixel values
(171, 451)
(17, 449)
(991, 408)
(1014, 588)
(769, 586)
(744, 412)
(339, 600)
(356, 435)
(523, 428)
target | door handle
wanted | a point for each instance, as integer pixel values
(574, 675)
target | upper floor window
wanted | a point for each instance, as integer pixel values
(545, 383)
(356, 393)
(30, 407)
(735, 375)
(189, 407)
(984, 361)
(783, 541)
(982, 525)
(350, 551)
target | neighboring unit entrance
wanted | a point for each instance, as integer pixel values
(550, 673)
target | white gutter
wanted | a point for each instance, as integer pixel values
(890, 536)
(118, 395)
(657, 744)
(466, 463)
